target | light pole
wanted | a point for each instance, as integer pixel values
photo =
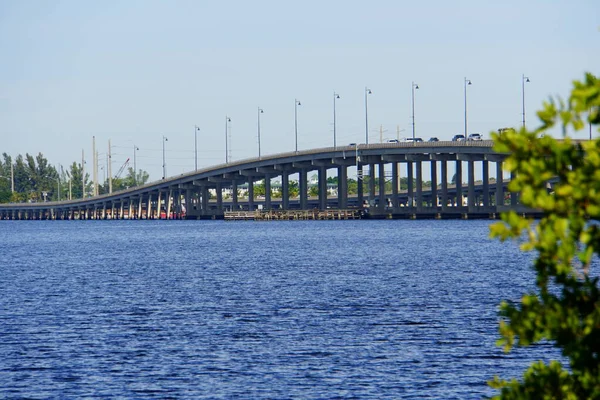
(467, 83)
(523, 80)
(260, 111)
(335, 96)
(413, 87)
(134, 165)
(196, 129)
(227, 121)
(367, 93)
(296, 104)
(164, 162)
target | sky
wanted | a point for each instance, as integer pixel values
(136, 71)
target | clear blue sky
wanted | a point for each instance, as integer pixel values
(132, 71)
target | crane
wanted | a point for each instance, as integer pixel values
(120, 171)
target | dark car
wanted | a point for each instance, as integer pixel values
(433, 139)
(458, 138)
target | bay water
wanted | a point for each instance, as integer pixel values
(253, 310)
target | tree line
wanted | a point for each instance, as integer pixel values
(34, 179)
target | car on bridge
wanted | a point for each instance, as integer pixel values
(433, 139)
(458, 138)
(474, 136)
(415, 140)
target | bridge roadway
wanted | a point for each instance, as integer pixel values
(189, 195)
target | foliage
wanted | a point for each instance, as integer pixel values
(565, 308)
(35, 176)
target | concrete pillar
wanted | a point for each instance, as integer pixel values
(419, 165)
(204, 193)
(250, 193)
(322, 188)
(458, 183)
(394, 184)
(499, 185)
(382, 199)
(219, 190)
(234, 195)
(149, 208)
(285, 190)
(444, 178)
(471, 188)
(303, 187)
(434, 192)
(342, 187)
(371, 183)
(409, 176)
(169, 201)
(360, 195)
(486, 182)
(267, 192)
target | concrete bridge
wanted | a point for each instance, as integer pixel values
(200, 194)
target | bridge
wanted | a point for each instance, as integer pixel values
(210, 193)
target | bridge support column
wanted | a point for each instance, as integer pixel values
(250, 194)
(394, 184)
(234, 195)
(471, 189)
(267, 192)
(322, 188)
(444, 178)
(204, 194)
(382, 199)
(499, 185)
(169, 201)
(458, 183)
(343, 187)
(409, 176)
(434, 192)
(219, 190)
(302, 186)
(371, 184)
(419, 165)
(149, 211)
(485, 167)
(285, 190)
(360, 195)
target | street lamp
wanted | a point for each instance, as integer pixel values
(296, 104)
(467, 83)
(260, 111)
(134, 165)
(523, 80)
(196, 130)
(227, 121)
(367, 93)
(164, 162)
(335, 96)
(413, 87)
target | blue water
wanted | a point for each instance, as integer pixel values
(278, 310)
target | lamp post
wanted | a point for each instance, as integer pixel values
(134, 165)
(296, 104)
(367, 93)
(335, 96)
(260, 111)
(524, 79)
(413, 87)
(196, 130)
(164, 139)
(467, 83)
(227, 121)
